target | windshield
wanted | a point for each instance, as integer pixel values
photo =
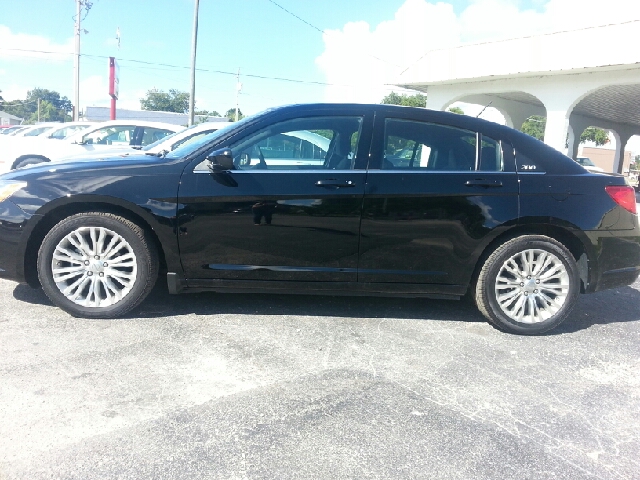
(37, 131)
(192, 146)
(67, 131)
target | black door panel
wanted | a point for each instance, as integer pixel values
(304, 232)
(433, 231)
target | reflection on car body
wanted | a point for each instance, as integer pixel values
(350, 199)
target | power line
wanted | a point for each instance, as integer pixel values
(324, 32)
(205, 70)
(294, 15)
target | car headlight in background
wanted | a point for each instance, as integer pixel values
(9, 187)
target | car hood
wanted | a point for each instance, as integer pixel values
(90, 166)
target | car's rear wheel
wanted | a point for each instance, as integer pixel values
(528, 285)
(97, 265)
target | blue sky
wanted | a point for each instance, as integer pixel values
(364, 44)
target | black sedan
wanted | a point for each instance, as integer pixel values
(328, 199)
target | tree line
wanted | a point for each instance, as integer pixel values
(178, 102)
(57, 108)
(53, 107)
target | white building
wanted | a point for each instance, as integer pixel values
(102, 114)
(8, 119)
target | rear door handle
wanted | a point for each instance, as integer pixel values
(482, 182)
(335, 183)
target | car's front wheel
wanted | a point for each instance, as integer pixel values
(528, 285)
(97, 265)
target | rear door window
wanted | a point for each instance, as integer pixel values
(414, 145)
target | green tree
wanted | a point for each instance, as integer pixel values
(417, 100)
(536, 124)
(595, 135)
(231, 114)
(48, 113)
(208, 113)
(161, 101)
(457, 110)
(62, 104)
(53, 107)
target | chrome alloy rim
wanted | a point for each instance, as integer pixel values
(94, 267)
(532, 286)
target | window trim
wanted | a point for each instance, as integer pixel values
(508, 153)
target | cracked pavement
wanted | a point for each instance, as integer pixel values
(273, 386)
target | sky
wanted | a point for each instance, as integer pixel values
(287, 51)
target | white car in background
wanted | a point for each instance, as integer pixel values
(164, 145)
(100, 138)
(26, 132)
(9, 131)
(589, 165)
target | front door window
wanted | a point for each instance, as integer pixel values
(301, 144)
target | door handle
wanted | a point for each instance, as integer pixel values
(335, 183)
(482, 182)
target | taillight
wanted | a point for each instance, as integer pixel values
(623, 195)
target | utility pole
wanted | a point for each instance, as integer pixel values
(194, 47)
(38, 110)
(76, 66)
(238, 88)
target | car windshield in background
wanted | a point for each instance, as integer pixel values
(196, 144)
(151, 146)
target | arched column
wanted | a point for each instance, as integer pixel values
(515, 117)
(560, 98)
(577, 125)
(622, 137)
(439, 100)
(555, 133)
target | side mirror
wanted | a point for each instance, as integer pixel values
(220, 160)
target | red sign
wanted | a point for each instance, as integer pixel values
(114, 78)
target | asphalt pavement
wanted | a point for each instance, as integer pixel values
(273, 386)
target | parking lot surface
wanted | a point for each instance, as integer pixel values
(260, 386)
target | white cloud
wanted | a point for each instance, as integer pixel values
(20, 46)
(419, 26)
(359, 56)
(131, 99)
(14, 92)
(94, 91)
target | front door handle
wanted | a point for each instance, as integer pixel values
(335, 184)
(483, 182)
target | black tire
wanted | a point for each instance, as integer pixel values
(23, 162)
(541, 295)
(101, 270)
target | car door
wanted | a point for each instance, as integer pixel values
(289, 211)
(435, 197)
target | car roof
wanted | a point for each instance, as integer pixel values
(548, 157)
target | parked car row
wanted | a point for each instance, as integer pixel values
(326, 199)
(18, 152)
